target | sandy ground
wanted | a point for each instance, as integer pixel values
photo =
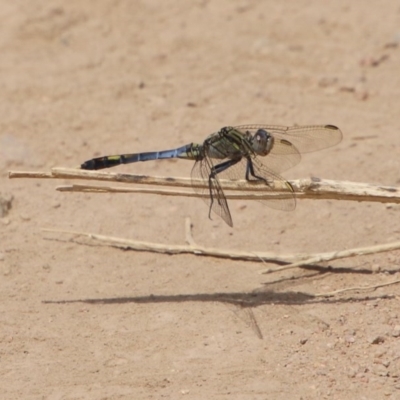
(86, 78)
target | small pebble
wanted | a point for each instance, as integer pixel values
(376, 268)
(380, 370)
(377, 340)
(5, 204)
(396, 331)
(350, 339)
(25, 217)
(353, 371)
(7, 339)
(380, 353)
(362, 95)
(327, 81)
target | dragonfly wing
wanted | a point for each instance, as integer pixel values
(291, 141)
(284, 200)
(283, 156)
(212, 194)
(306, 139)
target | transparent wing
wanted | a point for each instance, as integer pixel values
(284, 201)
(291, 141)
(212, 194)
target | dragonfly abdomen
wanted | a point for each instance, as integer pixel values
(192, 151)
(112, 161)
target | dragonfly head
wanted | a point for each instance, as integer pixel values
(262, 142)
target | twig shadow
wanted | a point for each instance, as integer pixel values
(244, 299)
(241, 303)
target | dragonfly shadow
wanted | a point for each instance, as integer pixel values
(241, 303)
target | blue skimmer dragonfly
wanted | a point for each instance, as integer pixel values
(235, 153)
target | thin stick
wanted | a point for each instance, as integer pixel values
(303, 188)
(67, 173)
(198, 250)
(30, 174)
(165, 192)
(299, 259)
(181, 249)
(330, 294)
(335, 255)
(112, 189)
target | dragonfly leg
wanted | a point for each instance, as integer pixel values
(217, 169)
(214, 172)
(250, 171)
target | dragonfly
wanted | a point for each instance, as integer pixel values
(236, 152)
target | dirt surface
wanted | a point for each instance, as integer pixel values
(86, 78)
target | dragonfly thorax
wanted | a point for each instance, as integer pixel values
(262, 142)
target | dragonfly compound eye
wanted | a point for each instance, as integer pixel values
(263, 142)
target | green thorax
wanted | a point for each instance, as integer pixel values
(228, 143)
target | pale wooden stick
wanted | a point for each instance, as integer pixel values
(181, 249)
(335, 255)
(30, 174)
(330, 294)
(165, 192)
(304, 188)
(300, 259)
(120, 189)
(199, 250)
(67, 173)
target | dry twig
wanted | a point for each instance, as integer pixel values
(356, 288)
(193, 248)
(335, 255)
(184, 249)
(297, 260)
(304, 188)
